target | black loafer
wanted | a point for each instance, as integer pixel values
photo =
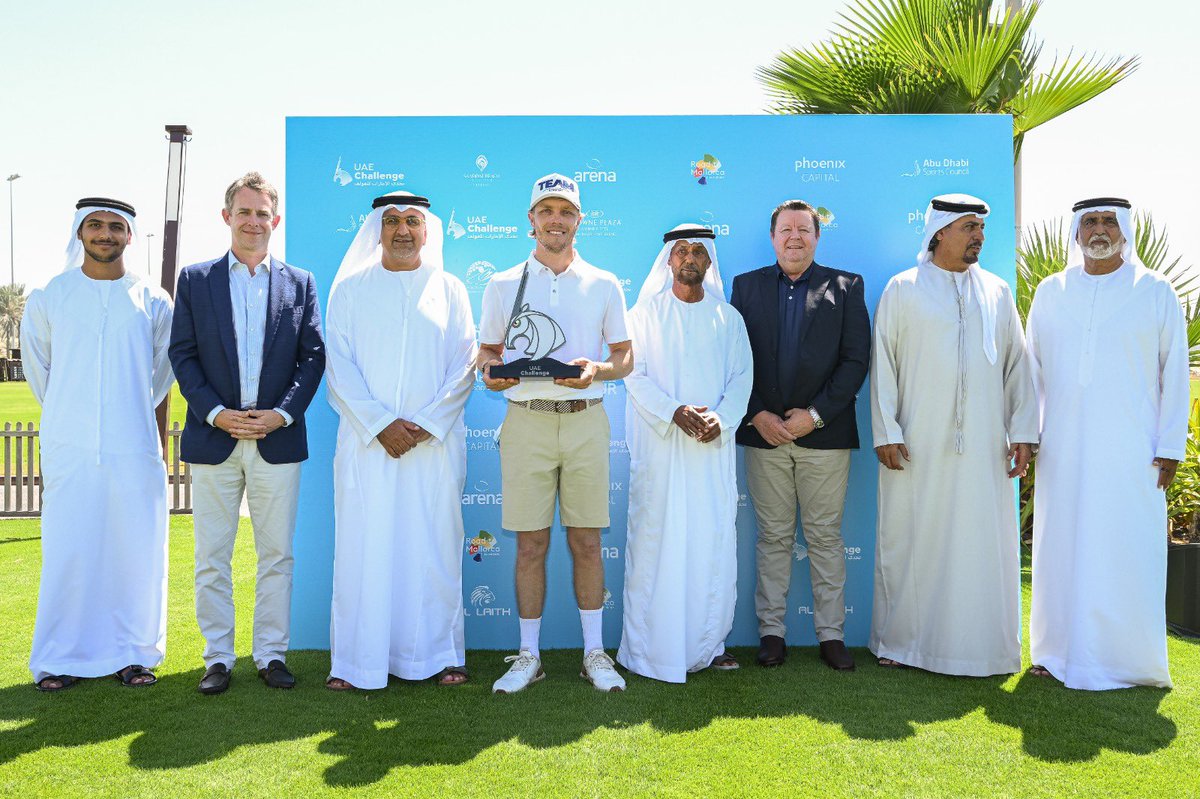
(772, 651)
(276, 675)
(215, 680)
(836, 656)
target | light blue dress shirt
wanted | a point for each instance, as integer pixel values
(248, 295)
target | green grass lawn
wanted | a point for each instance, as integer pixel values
(797, 730)
(18, 405)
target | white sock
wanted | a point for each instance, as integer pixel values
(531, 630)
(593, 629)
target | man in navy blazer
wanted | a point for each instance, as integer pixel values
(811, 338)
(247, 350)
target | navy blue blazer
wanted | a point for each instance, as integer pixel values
(204, 356)
(835, 352)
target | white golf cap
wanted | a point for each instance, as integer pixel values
(555, 185)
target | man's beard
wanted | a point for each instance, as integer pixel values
(688, 278)
(1101, 250)
(114, 255)
(555, 244)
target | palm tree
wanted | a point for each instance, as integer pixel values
(12, 307)
(936, 57)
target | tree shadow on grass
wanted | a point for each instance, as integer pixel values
(421, 724)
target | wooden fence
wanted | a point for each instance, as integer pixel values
(21, 482)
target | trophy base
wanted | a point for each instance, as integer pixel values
(529, 369)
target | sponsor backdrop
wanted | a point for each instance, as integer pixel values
(870, 176)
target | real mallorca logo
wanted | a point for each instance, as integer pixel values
(483, 544)
(708, 167)
(366, 173)
(827, 218)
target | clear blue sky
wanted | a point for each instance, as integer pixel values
(89, 86)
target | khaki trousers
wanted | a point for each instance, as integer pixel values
(779, 479)
(272, 491)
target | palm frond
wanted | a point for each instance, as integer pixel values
(1067, 85)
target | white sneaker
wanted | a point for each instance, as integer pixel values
(598, 669)
(525, 670)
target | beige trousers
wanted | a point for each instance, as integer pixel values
(779, 479)
(272, 491)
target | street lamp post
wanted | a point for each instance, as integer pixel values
(12, 233)
(149, 255)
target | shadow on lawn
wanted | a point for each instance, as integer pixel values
(419, 724)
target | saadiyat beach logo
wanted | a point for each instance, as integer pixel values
(365, 173)
(482, 545)
(481, 175)
(938, 167)
(706, 169)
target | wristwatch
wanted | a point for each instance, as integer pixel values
(818, 422)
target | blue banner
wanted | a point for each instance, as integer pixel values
(870, 177)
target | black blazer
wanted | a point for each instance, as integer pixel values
(204, 356)
(835, 352)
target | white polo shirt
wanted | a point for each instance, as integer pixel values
(586, 302)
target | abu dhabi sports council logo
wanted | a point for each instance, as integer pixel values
(819, 170)
(482, 494)
(366, 173)
(479, 274)
(709, 220)
(594, 172)
(478, 227)
(481, 175)
(706, 169)
(483, 545)
(598, 223)
(938, 167)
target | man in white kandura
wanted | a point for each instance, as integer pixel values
(688, 391)
(555, 438)
(400, 360)
(954, 416)
(94, 349)
(1110, 360)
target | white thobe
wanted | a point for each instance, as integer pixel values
(681, 559)
(1110, 360)
(400, 345)
(947, 556)
(95, 355)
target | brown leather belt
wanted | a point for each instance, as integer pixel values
(561, 406)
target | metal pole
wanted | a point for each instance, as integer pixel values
(149, 255)
(12, 233)
(1012, 7)
(178, 136)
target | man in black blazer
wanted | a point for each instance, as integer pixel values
(247, 350)
(811, 338)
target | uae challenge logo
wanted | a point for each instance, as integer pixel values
(366, 173)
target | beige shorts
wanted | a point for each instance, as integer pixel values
(547, 454)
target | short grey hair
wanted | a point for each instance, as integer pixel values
(255, 182)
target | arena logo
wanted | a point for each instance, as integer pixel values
(482, 603)
(483, 438)
(597, 223)
(482, 494)
(478, 227)
(594, 172)
(610, 553)
(819, 170)
(938, 167)
(366, 173)
(481, 176)
(482, 545)
(706, 169)
(708, 220)
(479, 274)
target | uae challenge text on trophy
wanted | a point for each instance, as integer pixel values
(541, 336)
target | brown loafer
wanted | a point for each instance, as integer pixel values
(836, 656)
(772, 650)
